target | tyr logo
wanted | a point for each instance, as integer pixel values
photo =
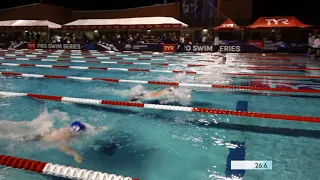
(277, 21)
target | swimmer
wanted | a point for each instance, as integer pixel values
(154, 95)
(223, 61)
(63, 137)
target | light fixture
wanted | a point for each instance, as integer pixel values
(95, 31)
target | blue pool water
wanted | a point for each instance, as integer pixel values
(156, 144)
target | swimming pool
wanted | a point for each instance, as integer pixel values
(153, 144)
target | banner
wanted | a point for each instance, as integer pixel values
(76, 46)
(195, 48)
(14, 45)
(169, 48)
(147, 47)
(256, 46)
(108, 47)
(242, 48)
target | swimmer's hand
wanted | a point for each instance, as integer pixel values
(66, 149)
(78, 158)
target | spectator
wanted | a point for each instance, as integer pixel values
(310, 43)
(216, 42)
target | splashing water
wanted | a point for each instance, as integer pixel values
(217, 75)
(134, 91)
(41, 125)
(179, 95)
(180, 77)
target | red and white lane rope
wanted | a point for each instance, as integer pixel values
(101, 62)
(282, 63)
(57, 170)
(164, 107)
(262, 58)
(20, 53)
(87, 57)
(271, 75)
(276, 68)
(91, 51)
(165, 83)
(105, 68)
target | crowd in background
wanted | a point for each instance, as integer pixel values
(137, 38)
(126, 38)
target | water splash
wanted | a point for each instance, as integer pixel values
(179, 95)
(39, 126)
(44, 124)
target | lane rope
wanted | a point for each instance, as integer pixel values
(87, 57)
(164, 83)
(259, 58)
(284, 63)
(57, 170)
(65, 50)
(19, 53)
(101, 62)
(271, 75)
(109, 57)
(164, 107)
(161, 71)
(276, 68)
(104, 68)
(84, 51)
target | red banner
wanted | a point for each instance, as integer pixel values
(169, 48)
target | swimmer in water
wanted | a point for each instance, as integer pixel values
(154, 95)
(63, 136)
(223, 61)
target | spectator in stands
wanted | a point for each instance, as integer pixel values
(38, 37)
(310, 43)
(204, 39)
(181, 39)
(216, 42)
(316, 46)
(58, 38)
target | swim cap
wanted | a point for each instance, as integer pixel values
(77, 126)
(171, 89)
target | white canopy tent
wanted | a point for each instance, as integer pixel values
(29, 24)
(127, 23)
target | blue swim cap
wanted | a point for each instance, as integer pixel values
(77, 126)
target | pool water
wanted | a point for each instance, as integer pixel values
(157, 144)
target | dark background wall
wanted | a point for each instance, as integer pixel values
(237, 10)
(240, 11)
(169, 10)
(38, 11)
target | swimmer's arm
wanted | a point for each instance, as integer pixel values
(200, 78)
(66, 149)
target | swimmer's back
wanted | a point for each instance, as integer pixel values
(62, 134)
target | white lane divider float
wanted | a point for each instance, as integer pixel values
(58, 170)
(221, 85)
(103, 62)
(166, 107)
(105, 68)
(19, 53)
(83, 57)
